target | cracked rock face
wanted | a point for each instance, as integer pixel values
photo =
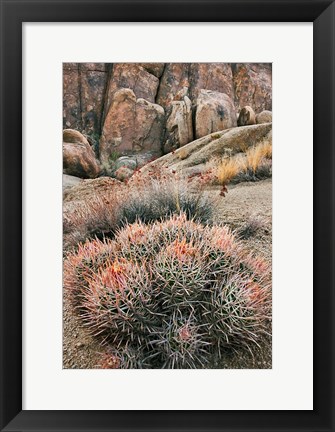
(151, 108)
(83, 96)
(253, 85)
(179, 130)
(131, 126)
(135, 77)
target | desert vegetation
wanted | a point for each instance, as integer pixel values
(176, 293)
(167, 238)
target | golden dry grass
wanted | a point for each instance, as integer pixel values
(255, 155)
(227, 169)
(182, 153)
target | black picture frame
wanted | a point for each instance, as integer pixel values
(13, 14)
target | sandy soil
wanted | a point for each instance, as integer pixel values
(243, 203)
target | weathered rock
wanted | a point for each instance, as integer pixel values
(91, 189)
(78, 156)
(211, 76)
(179, 129)
(144, 158)
(264, 117)
(74, 136)
(131, 126)
(188, 79)
(134, 77)
(246, 117)
(214, 112)
(174, 83)
(97, 67)
(93, 81)
(202, 150)
(123, 173)
(84, 87)
(126, 161)
(70, 181)
(154, 68)
(253, 85)
(71, 96)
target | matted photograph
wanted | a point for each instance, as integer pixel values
(167, 215)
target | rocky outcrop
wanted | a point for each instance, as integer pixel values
(153, 68)
(131, 126)
(135, 77)
(217, 77)
(246, 117)
(71, 96)
(200, 151)
(174, 83)
(214, 112)
(70, 181)
(179, 130)
(89, 190)
(84, 86)
(264, 117)
(253, 85)
(93, 78)
(162, 110)
(78, 157)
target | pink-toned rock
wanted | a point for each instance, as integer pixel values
(123, 173)
(188, 79)
(253, 85)
(73, 136)
(78, 156)
(131, 126)
(154, 68)
(96, 67)
(246, 117)
(71, 96)
(215, 112)
(84, 87)
(174, 83)
(211, 76)
(264, 117)
(134, 77)
(93, 80)
(179, 130)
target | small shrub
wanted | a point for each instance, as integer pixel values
(251, 227)
(147, 197)
(174, 294)
(182, 153)
(215, 136)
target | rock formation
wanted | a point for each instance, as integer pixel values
(246, 117)
(78, 157)
(264, 117)
(131, 126)
(214, 112)
(153, 108)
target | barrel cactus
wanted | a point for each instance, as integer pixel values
(173, 294)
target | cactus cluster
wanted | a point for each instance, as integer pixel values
(173, 294)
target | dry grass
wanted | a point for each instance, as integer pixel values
(255, 155)
(227, 169)
(182, 153)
